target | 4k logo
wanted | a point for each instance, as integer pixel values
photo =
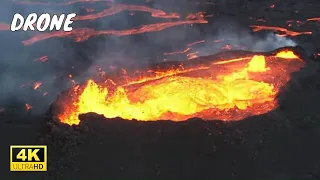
(28, 158)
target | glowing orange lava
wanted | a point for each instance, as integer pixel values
(37, 85)
(83, 34)
(225, 89)
(285, 31)
(28, 107)
(116, 8)
(314, 19)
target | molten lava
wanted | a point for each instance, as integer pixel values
(116, 8)
(284, 31)
(224, 89)
(314, 19)
(83, 34)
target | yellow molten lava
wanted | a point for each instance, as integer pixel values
(287, 55)
(245, 88)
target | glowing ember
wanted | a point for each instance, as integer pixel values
(197, 42)
(226, 90)
(285, 31)
(42, 59)
(28, 107)
(226, 47)
(192, 55)
(177, 52)
(37, 85)
(198, 15)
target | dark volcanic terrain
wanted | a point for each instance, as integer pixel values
(281, 144)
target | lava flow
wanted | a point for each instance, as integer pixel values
(83, 34)
(116, 8)
(217, 89)
(284, 31)
(314, 19)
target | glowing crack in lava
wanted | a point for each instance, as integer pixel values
(218, 89)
